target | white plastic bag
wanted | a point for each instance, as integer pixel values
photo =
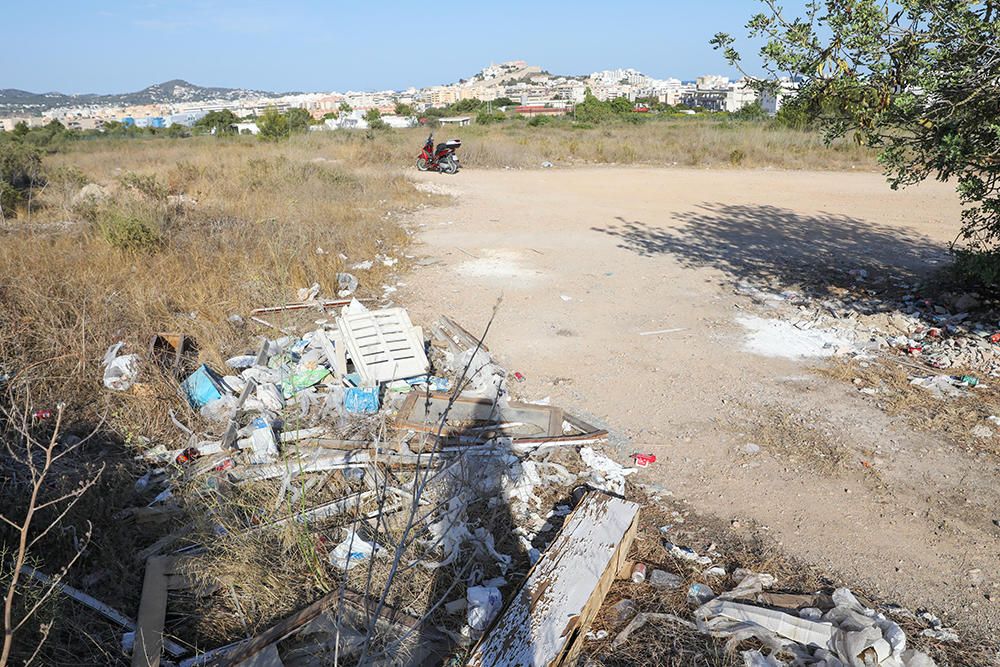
(351, 551)
(121, 372)
(484, 603)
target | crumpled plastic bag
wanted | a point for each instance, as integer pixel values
(120, 373)
(855, 633)
(352, 550)
(484, 603)
(606, 474)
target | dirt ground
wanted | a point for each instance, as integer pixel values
(588, 260)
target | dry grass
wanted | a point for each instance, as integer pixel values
(262, 216)
(799, 439)
(683, 142)
(952, 418)
(76, 277)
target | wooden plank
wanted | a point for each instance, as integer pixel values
(164, 543)
(335, 303)
(330, 351)
(152, 615)
(291, 624)
(277, 632)
(544, 624)
(340, 349)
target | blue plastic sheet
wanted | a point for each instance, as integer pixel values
(361, 401)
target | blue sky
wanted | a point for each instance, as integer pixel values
(76, 46)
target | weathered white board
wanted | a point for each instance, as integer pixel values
(544, 625)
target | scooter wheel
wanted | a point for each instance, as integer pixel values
(422, 164)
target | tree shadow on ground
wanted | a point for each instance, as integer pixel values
(772, 247)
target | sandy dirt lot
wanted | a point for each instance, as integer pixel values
(588, 260)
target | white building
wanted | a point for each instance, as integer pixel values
(712, 82)
(771, 100)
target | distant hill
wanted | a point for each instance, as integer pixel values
(13, 100)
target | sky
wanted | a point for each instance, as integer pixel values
(88, 46)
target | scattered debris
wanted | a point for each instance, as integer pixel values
(780, 338)
(396, 453)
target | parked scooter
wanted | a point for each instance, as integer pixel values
(441, 158)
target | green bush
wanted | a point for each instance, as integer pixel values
(977, 268)
(752, 111)
(20, 173)
(130, 231)
(10, 198)
(488, 118)
(538, 121)
(146, 185)
(273, 125)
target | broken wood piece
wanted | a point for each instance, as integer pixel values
(161, 545)
(330, 351)
(334, 303)
(152, 615)
(144, 516)
(302, 434)
(544, 625)
(277, 632)
(449, 330)
(173, 648)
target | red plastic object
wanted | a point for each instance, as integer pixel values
(519, 377)
(643, 460)
(188, 455)
(41, 414)
(915, 350)
(995, 338)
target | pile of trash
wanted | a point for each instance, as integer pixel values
(438, 468)
(955, 331)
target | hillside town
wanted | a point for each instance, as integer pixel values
(515, 86)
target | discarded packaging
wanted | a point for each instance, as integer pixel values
(351, 551)
(483, 604)
(202, 387)
(120, 372)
